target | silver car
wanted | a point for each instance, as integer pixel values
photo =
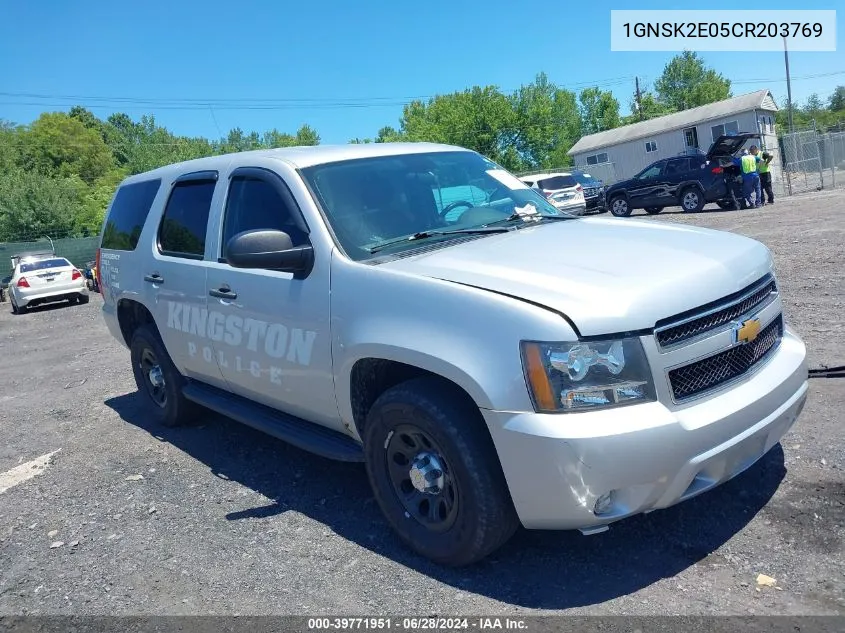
(492, 360)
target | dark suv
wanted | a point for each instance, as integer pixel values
(689, 182)
(593, 191)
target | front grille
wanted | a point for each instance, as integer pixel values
(709, 373)
(721, 313)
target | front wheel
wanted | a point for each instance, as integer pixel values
(653, 210)
(435, 473)
(692, 200)
(619, 207)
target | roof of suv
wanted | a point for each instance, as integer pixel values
(302, 156)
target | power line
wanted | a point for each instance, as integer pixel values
(268, 103)
(783, 79)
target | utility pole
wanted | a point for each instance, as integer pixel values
(639, 99)
(788, 86)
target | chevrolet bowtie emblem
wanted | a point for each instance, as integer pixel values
(747, 331)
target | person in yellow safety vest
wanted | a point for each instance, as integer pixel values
(750, 177)
(766, 178)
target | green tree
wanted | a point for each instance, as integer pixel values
(388, 134)
(33, 204)
(359, 141)
(480, 119)
(90, 214)
(307, 135)
(814, 104)
(599, 111)
(60, 144)
(836, 102)
(687, 83)
(547, 124)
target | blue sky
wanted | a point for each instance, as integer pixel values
(359, 60)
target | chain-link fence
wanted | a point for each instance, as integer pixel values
(812, 161)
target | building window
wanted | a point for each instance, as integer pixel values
(597, 159)
(650, 146)
(691, 137)
(732, 127)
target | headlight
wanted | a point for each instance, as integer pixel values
(586, 375)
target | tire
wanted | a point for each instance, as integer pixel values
(692, 200)
(83, 298)
(653, 210)
(727, 206)
(473, 508)
(619, 207)
(167, 405)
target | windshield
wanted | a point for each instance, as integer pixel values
(369, 201)
(585, 179)
(43, 264)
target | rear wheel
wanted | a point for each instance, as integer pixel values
(723, 204)
(158, 380)
(653, 210)
(83, 298)
(619, 207)
(435, 473)
(692, 200)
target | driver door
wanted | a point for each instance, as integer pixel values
(271, 329)
(645, 190)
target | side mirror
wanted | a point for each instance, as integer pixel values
(269, 250)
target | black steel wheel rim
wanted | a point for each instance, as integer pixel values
(149, 364)
(435, 511)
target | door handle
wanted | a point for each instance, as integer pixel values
(155, 278)
(224, 292)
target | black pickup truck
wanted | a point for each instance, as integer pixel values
(688, 182)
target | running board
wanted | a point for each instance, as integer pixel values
(594, 530)
(296, 431)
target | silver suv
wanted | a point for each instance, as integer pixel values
(492, 360)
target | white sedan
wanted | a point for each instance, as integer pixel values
(39, 280)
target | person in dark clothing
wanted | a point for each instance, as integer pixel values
(766, 177)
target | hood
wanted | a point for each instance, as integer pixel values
(728, 145)
(606, 275)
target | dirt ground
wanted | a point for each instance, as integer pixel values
(224, 520)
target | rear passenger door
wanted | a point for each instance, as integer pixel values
(272, 328)
(175, 276)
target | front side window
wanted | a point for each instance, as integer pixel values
(185, 220)
(370, 201)
(651, 172)
(254, 204)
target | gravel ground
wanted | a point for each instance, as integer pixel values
(224, 520)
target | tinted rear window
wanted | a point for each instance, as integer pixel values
(128, 214)
(43, 264)
(185, 220)
(557, 182)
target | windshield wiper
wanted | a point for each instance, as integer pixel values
(422, 235)
(536, 217)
